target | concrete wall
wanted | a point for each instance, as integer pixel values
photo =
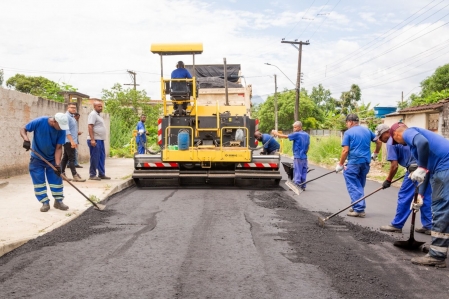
(16, 110)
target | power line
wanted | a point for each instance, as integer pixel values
(300, 19)
(325, 19)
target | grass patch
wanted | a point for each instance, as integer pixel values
(322, 150)
(126, 177)
(121, 152)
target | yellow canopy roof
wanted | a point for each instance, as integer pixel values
(177, 49)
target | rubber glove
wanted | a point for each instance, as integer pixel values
(26, 145)
(418, 204)
(339, 168)
(374, 156)
(57, 170)
(418, 175)
(386, 184)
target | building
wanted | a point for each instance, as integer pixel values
(433, 117)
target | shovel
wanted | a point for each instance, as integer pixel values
(322, 221)
(98, 206)
(411, 243)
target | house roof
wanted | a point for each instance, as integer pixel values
(421, 108)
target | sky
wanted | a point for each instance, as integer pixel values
(386, 47)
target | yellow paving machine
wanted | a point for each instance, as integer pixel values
(205, 133)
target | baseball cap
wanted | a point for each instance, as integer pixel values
(62, 120)
(352, 117)
(394, 128)
(380, 129)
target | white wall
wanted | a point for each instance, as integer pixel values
(16, 110)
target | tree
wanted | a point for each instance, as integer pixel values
(39, 86)
(348, 99)
(322, 98)
(125, 107)
(438, 82)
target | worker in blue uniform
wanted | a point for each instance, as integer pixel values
(141, 137)
(301, 143)
(431, 152)
(356, 148)
(48, 137)
(270, 145)
(399, 154)
(180, 72)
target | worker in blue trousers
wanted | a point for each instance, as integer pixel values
(95, 141)
(356, 148)
(432, 153)
(301, 143)
(270, 145)
(141, 137)
(48, 137)
(399, 154)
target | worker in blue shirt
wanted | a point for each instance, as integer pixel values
(48, 137)
(141, 137)
(301, 143)
(181, 72)
(270, 145)
(356, 148)
(399, 154)
(432, 153)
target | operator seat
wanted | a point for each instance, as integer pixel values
(180, 92)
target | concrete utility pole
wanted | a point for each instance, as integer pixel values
(275, 103)
(298, 76)
(133, 77)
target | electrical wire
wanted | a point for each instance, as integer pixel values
(325, 19)
(300, 19)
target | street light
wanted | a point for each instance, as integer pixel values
(281, 72)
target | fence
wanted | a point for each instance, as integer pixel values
(325, 132)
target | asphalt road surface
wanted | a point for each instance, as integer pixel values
(222, 243)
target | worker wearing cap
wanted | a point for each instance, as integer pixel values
(356, 148)
(301, 142)
(48, 138)
(141, 137)
(432, 153)
(399, 154)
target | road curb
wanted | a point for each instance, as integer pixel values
(5, 248)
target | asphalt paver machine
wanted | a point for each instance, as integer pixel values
(203, 142)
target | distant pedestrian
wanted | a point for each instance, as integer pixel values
(48, 138)
(76, 116)
(95, 142)
(301, 143)
(356, 148)
(270, 145)
(432, 153)
(141, 137)
(399, 154)
(71, 143)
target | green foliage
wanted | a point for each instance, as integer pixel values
(348, 100)
(437, 82)
(125, 107)
(431, 98)
(39, 86)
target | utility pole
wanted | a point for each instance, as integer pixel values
(133, 77)
(402, 98)
(275, 103)
(298, 76)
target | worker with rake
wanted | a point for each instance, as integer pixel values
(399, 154)
(432, 153)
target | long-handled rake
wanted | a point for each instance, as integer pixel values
(322, 221)
(98, 206)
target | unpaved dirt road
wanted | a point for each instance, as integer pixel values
(213, 243)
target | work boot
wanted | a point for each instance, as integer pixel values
(78, 166)
(94, 178)
(77, 178)
(423, 230)
(45, 206)
(428, 260)
(103, 177)
(60, 205)
(390, 228)
(356, 214)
